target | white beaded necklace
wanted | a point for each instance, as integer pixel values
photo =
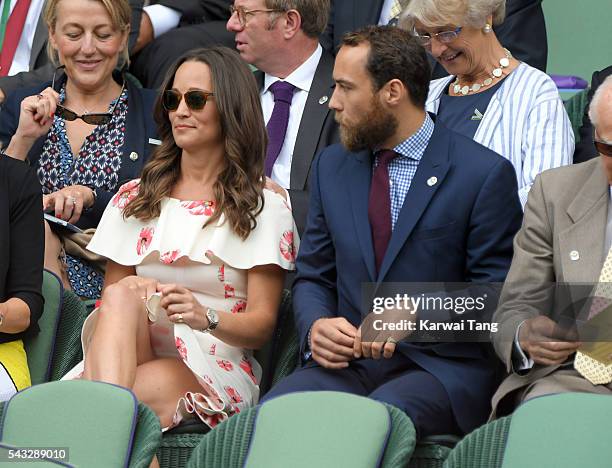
(497, 73)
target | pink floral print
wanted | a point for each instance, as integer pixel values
(169, 257)
(225, 365)
(229, 291)
(233, 394)
(240, 306)
(144, 240)
(199, 207)
(245, 365)
(126, 193)
(287, 249)
(221, 273)
(181, 348)
(213, 349)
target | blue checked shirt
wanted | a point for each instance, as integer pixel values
(403, 167)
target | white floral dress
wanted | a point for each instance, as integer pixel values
(212, 263)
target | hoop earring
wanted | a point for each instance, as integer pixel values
(487, 28)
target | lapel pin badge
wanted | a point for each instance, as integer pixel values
(133, 155)
(432, 181)
(574, 255)
(323, 100)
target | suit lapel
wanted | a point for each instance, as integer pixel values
(38, 43)
(586, 237)
(434, 164)
(361, 175)
(315, 113)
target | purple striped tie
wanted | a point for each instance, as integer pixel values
(379, 205)
(277, 125)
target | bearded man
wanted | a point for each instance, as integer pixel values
(402, 200)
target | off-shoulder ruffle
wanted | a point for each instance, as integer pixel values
(178, 233)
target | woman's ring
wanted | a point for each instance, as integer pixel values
(72, 200)
(180, 318)
(391, 340)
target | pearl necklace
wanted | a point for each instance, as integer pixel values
(497, 73)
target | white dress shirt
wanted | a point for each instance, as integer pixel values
(21, 60)
(385, 12)
(162, 18)
(301, 78)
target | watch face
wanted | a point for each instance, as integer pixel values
(213, 318)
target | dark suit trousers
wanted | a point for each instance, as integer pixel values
(397, 381)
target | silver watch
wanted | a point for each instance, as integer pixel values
(213, 320)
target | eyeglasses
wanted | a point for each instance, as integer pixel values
(95, 118)
(604, 148)
(243, 13)
(443, 36)
(195, 99)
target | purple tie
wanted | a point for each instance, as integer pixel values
(277, 125)
(379, 205)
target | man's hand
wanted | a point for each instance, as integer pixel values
(145, 33)
(373, 343)
(331, 342)
(545, 342)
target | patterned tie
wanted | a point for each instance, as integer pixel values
(379, 205)
(14, 28)
(277, 125)
(591, 369)
(396, 9)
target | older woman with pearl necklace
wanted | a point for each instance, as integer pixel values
(506, 105)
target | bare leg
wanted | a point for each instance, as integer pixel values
(121, 338)
(53, 247)
(160, 383)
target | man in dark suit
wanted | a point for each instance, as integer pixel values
(283, 45)
(196, 23)
(403, 200)
(523, 31)
(585, 148)
(41, 70)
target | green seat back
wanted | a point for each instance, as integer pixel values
(94, 421)
(39, 349)
(314, 429)
(575, 110)
(563, 431)
(319, 429)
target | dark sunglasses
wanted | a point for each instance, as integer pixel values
(195, 99)
(96, 118)
(603, 148)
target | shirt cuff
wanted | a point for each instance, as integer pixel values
(520, 361)
(162, 18)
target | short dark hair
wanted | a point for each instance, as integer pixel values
(394, 54)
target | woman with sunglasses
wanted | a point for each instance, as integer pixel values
(197, 252)
(85, 133)
(506, 105)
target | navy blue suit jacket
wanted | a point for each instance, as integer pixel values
(140, 127)
(458, 230)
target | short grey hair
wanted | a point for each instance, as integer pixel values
(602, 89)
(434, 13)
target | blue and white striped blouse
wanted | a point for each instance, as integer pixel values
(525, 122)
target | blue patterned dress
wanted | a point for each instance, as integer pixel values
(96, 166)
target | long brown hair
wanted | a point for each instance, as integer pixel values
(239, 187)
